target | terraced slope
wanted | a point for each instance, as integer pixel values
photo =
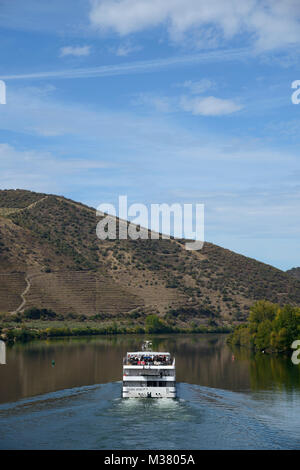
(79, 292)
(52, 241)
(11, 287)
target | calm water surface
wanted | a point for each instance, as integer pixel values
(227, 399)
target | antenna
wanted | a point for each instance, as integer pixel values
(147, 346)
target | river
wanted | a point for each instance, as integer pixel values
(66, 394)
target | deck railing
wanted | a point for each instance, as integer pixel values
(158, 373)
(139, 362)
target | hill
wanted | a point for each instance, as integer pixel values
(51, 258)
(294, 272)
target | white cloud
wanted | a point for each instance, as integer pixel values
(34, 113)
(197, 87)
(76, 51)
(125, 49)
(160, 103)
(42, 159)
(120, 133)
(209, 106)
(197, 105)
(46, 171)
(64, 18)
(269, 23)
(142, 66)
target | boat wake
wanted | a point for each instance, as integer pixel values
(96, 417)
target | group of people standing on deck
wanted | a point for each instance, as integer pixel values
(148, 360)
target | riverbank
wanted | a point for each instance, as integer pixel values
(28, 332)
(271, 328)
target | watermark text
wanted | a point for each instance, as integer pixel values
(296, 346)
(2, 352)
(2, 92)
(184, 221)
(295, 96)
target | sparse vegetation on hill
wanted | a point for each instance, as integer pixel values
(294, 272)
(18, 198)
(50, 258)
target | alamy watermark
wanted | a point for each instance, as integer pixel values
(296, 346)
(2, 92)
(184, 221)
(295, 95)
(2, 352)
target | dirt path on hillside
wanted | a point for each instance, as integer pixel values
(33, 204)
(22, 305)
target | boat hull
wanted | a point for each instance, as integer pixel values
(149, 392)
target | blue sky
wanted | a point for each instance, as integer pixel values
(183, 101)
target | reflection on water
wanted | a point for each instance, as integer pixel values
(40, 367)
(228, 399)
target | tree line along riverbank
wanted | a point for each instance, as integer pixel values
(270, 328)
(42, 324)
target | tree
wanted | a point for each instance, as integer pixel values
(260, 311)
(154, 324)
(262, 338)
(287, 319)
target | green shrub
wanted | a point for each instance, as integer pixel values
(39, 314)
(155, 325)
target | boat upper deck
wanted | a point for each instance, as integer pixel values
(148, 358)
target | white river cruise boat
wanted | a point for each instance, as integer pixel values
(149, 374)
